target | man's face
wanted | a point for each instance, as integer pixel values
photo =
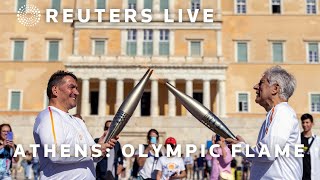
(307, 125)
(263, 91)
(67, 92)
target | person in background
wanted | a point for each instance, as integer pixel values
(110, 167)
(148, 164)
(35, 167)
(7, 148)
(170, 167)
(201, 164)
(311, 143)
(26, 163)
(195, 167)
(188, 161)
(14, 169)
(221, 166)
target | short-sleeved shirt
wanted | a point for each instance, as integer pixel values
(149, 167)
(169, 166)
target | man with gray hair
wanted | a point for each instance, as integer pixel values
(279, 130)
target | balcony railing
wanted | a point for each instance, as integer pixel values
(134, 60)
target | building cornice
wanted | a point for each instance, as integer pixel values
(152, 25)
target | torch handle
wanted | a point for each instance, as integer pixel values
(117, 124)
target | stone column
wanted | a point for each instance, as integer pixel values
(156, 39)
(154, 98)
(222, 98)
(172, 101)
(137, 112)
(206, 94)
(119, 94)
(189, 91)
(85, 106)
(171, 42)
(156, 6)
(102, 97)
(140, 4)
(139, 41)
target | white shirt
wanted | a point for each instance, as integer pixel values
(282, 131)
(169, 166)
(149, 168)
(315, 157)
(68, 130)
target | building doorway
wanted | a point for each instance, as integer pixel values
(145, 104)
(94, 101)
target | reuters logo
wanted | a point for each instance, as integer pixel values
(28, 15)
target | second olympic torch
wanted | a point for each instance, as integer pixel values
(204, 115)
(127, 107)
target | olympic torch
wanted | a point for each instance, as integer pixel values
(199, 111)
(127, 107)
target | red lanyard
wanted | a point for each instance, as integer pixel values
(270, 120)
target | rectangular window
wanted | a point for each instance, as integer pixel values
(18, 50)
(195, 4)
(147, 42)
(311, 7)
(313, 53)
(56, 4)
(242, 52)
(20, 3)
(15, 100)
(241, 7)
(101, 4)
(148, 4)
(164, 4)
(315, 102)
(132, 4)
(277, 52)
(243, 102)
(53, 50)
(276, 6)
(132, 42)
(164, 45)
(195, 48)
(99, 47)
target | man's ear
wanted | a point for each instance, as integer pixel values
(275, 89)
(54, 90)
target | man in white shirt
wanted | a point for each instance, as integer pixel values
(311, 143)
(170, 167)
(281, 128)
(54, 126)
